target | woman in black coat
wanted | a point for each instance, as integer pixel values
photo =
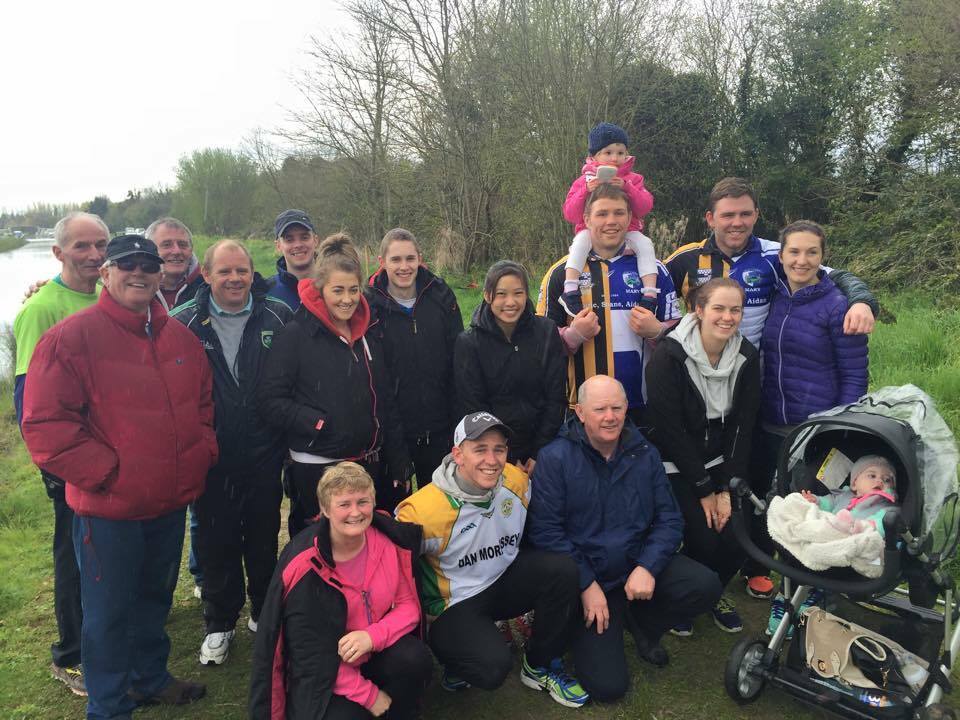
(325, 385)
(703, 393)
(510, 362)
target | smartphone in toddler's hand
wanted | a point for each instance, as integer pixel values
(606, 173)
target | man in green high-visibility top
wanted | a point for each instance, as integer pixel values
(80, 243)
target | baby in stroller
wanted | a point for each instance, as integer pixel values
(862, 505)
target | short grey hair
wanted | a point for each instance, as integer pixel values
(171, 222)
(61, 230)
(582, 390)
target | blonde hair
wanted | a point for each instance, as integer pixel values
(343, 477)
(336, 253)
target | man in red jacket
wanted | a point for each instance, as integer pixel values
(118, 405)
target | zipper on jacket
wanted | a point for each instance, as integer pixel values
(366, 606)
(783, 398)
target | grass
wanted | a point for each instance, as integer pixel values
(9, 242)
(920, 348)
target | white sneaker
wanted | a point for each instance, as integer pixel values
(197, 592)
(215, 648)
(252, 625)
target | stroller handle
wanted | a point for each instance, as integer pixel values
(892, 525)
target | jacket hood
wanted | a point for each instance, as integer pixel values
(715, 384)
(623, 169)
(443, 478)
(313, 301)
(484, 319)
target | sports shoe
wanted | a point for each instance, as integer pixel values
(197, 592)
(451, 683)
(252, 625)
(777, 610)
(572, 302)
(682, 629)
(814, 597)
(726, 617)
(554, 679)
(215, 648)
(72, 677)
(760, 587)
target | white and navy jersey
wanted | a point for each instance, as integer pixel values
(613, 287)
(757, 269)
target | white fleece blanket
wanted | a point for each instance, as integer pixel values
(807, 533)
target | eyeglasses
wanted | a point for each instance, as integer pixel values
(150, 267)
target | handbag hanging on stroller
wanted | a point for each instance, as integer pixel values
(858, 670)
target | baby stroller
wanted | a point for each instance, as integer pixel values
(886, 648)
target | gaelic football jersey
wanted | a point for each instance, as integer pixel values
(466, 546)
(613, 287)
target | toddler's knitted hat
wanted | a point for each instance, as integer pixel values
(606, 134)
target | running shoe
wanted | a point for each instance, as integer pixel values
(451, 683)
(682, 629)
(72, 677)
(726, 617)
(572, 302)
(760, 587)
(215, 648)
(562, 687)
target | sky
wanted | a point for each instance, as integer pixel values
(100, 97)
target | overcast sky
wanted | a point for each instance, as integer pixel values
(103, 96)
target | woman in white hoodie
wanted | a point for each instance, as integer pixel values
(703, 386)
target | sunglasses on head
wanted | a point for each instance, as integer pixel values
(150, 267)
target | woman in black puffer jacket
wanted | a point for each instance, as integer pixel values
(510, 362)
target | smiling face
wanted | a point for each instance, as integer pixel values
(230, 277)
(299, 248)
(507, 301)
(720, 316)
(612, 154)
(481, 461)
(401, 263)
(341, 294)
(350, 513)
(801, 255)
(732, 220)
(602, 410)
(175, 250)
(607, 220)
(83, 252)
(133, 289)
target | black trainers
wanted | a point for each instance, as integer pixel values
(572, 302)
(72, 677)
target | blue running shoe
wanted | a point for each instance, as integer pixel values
(451, 683)
(777, 610)
(554, 679)
(682, 629)
(726, 617)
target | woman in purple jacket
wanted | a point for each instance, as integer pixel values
(809, 364)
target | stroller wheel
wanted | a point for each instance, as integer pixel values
(937, 711)
(743, 676)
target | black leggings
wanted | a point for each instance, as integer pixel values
(718, 551)
(402, 671)
(465, 639)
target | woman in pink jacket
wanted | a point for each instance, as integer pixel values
(338, 641)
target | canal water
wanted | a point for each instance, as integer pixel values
(18, 269)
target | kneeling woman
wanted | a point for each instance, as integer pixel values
(335, 639)
(703, 384)
(325, 385)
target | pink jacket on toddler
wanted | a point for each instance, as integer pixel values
(641, 201)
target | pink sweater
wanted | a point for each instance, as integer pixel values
(386, 606)
(641, 201)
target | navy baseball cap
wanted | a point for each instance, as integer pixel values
(126, 245)
(291, 217)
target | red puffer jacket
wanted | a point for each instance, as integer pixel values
(123, 417)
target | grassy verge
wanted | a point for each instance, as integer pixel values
(9, 242)
(920, 348)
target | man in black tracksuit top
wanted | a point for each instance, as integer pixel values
(239, 511)
(418, 335)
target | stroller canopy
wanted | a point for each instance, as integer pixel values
(936, 453)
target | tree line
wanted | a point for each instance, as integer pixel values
(466, 121)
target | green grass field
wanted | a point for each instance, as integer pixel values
(920, 348)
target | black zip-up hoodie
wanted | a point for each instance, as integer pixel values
(247, 444)
(418, 347)
(675, 418)
(314, 374)
(523, 381)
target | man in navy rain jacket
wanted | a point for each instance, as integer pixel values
(600, 494)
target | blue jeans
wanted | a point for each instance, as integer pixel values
(128, 571)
